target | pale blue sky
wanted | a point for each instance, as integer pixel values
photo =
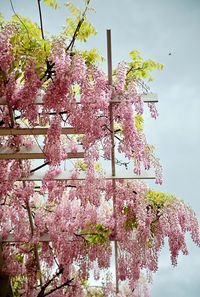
(156, 28)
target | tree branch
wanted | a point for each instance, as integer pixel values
(39, 167)
(67, 283)
(41, 23)
(133, 68)
(42, 291)
(78, 28)
(114, 131)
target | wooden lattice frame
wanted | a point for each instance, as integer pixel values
(37, 153)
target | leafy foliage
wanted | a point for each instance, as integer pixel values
(74, 20)
(141, 69)
(52, 3)
(97, 234)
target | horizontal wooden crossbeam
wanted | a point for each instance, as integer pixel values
(35, 131)
(150, 97)
(43, 238)
(65, 176)
(147, 98)
(35, 152)
(11, 239)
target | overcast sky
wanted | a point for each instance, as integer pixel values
(156, 28)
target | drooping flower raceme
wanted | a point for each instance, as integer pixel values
(83, 215)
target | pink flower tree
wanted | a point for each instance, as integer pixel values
(58, 232)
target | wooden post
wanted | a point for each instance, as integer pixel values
(109, 56)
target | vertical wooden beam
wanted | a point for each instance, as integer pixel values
(12, 119)
(110, 107)
(109, 57)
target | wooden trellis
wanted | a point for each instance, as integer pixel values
(65, 176)
(147, 98)
(34, 131)
(36, 152)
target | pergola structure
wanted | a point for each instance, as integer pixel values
(36, 152)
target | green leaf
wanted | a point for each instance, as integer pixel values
(52, 3)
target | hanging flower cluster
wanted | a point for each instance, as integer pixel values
(81, 232)
(64, 230)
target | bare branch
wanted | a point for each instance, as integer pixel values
(42, 291)
(67, 283)
(114, 131)
(133, 68)
(41, 23)
(78, 27)
(39, 167)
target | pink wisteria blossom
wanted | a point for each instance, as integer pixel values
(64, 230)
